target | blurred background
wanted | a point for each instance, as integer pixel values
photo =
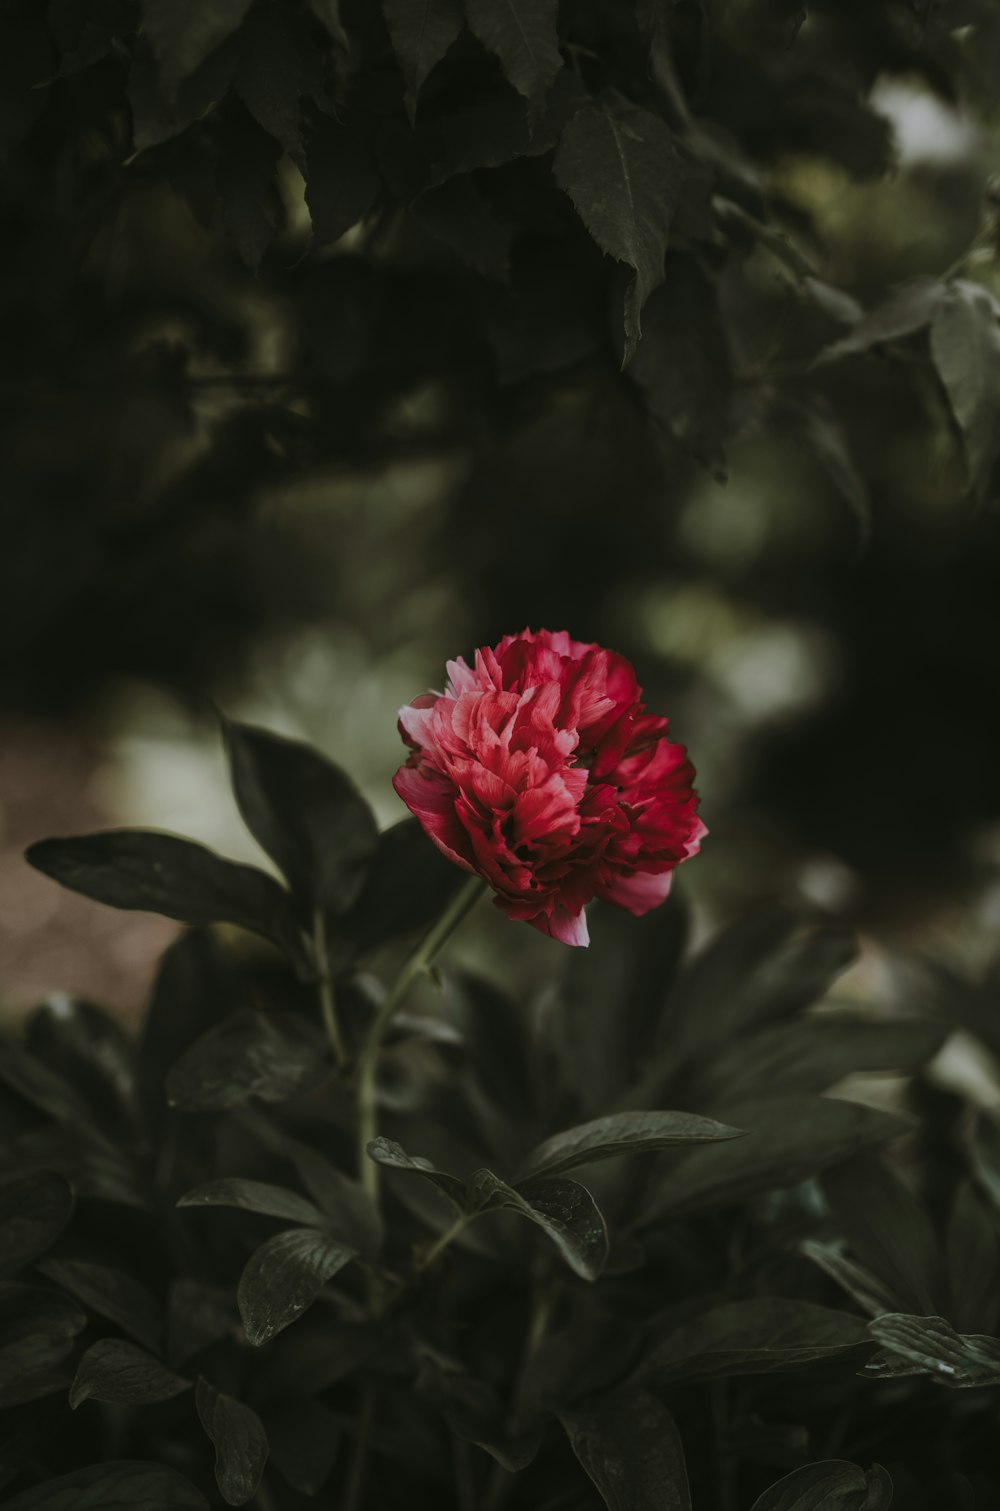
(295, 488)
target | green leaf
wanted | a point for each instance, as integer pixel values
(139, 870)
(523, 35)
(422, 32)
(120, 1486)
(682, 367)
(474, 1412)
(342, 182)
(758, 1336)
(868, 1290)
(268, 77)
(305, 813)
(887, 1228)
(184, 32)
(348, 1212)
(34, 1210)
(815, 1052)
(197, 986)
(240, 1442)
(973, 1259)
(93, 1051)
(789, 1139)
(198, 1315)
(392, 1156)
(622, 1133)
(246, 163)
(562, 1208)
(931, 1346)
(407, 888)
(111, 1294)
(272, 1056)
(965, 346)
(833, 1485)
(619, 166)
(254, 1196)
(283, 1277)
(37, 1331)
(629, 1445)
(117, 1372)
(909, 308)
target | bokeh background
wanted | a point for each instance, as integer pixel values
(295, 490)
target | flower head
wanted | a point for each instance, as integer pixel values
(539, 769)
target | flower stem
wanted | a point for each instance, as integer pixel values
(368, 1058)
(327, 1001)
(358, 1473)
(440, 1244)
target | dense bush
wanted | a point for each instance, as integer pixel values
(468, 1251)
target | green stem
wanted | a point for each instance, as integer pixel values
(438, 1247)
(327, 1001)
(368, 1059)
(502, 1481)
(354, 1495)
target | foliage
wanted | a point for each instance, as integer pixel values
(623, 1241)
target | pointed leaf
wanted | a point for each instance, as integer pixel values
(121, 1486)
(422, 32)
(137, 869)
(759, 1336)
(34, 1210)
(887, 1228)
(629, 1445)
(37, 1331)
(868, 1290)
(283, 1277)
(623, 1133)
(271, 1056)
(305, 1438)
(254, 1196)
(111, 1294)
(931, 1346)
(407, 888)
(619, 166)
(965, 345)
(909, 308)
(342, 182)
(268, 77)
(118, 1372)
(184, 32)
(813, 1053)
(393, 1156)
(562, 1208)
(240, 1442)
(523, 35)
(833, 1485)
(305, 813)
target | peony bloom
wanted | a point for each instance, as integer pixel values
(539, 770)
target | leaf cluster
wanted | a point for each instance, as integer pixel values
(626, 1239)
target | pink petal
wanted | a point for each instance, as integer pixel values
(638, 894)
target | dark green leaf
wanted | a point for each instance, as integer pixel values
(758, 1336)
(305, 1437)
(184, 32)
(268, 77)
(305, 813)
(789, 1139)
(272, 1056)
(622, 1133)
(349, 1213)
(34, 1210)
(522, 34)
(973, 1257)
(868, 1290)
(196, 987)
(817, 1051)
(619, 166)
(254, 1196)
(629, 1445)
(460, 215)
(474, 1412)
(37, 1330)
(393, 1156)
(342, 182)
(118, 1372)
(39, 1086)
(198, 1315)
(422, 32)
(244, 177)
(94, 1052)
(931, 1346)
(887, 1228)
(283, 1277)
(240, 1442)
(965, 346)
(111, 1294)
(122, 1486)
(833, 1485)
(137, 869)
(409, 885)
(562, 1208)
(682, 366)
(910, 308)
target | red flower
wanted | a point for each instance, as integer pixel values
(540, 771)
